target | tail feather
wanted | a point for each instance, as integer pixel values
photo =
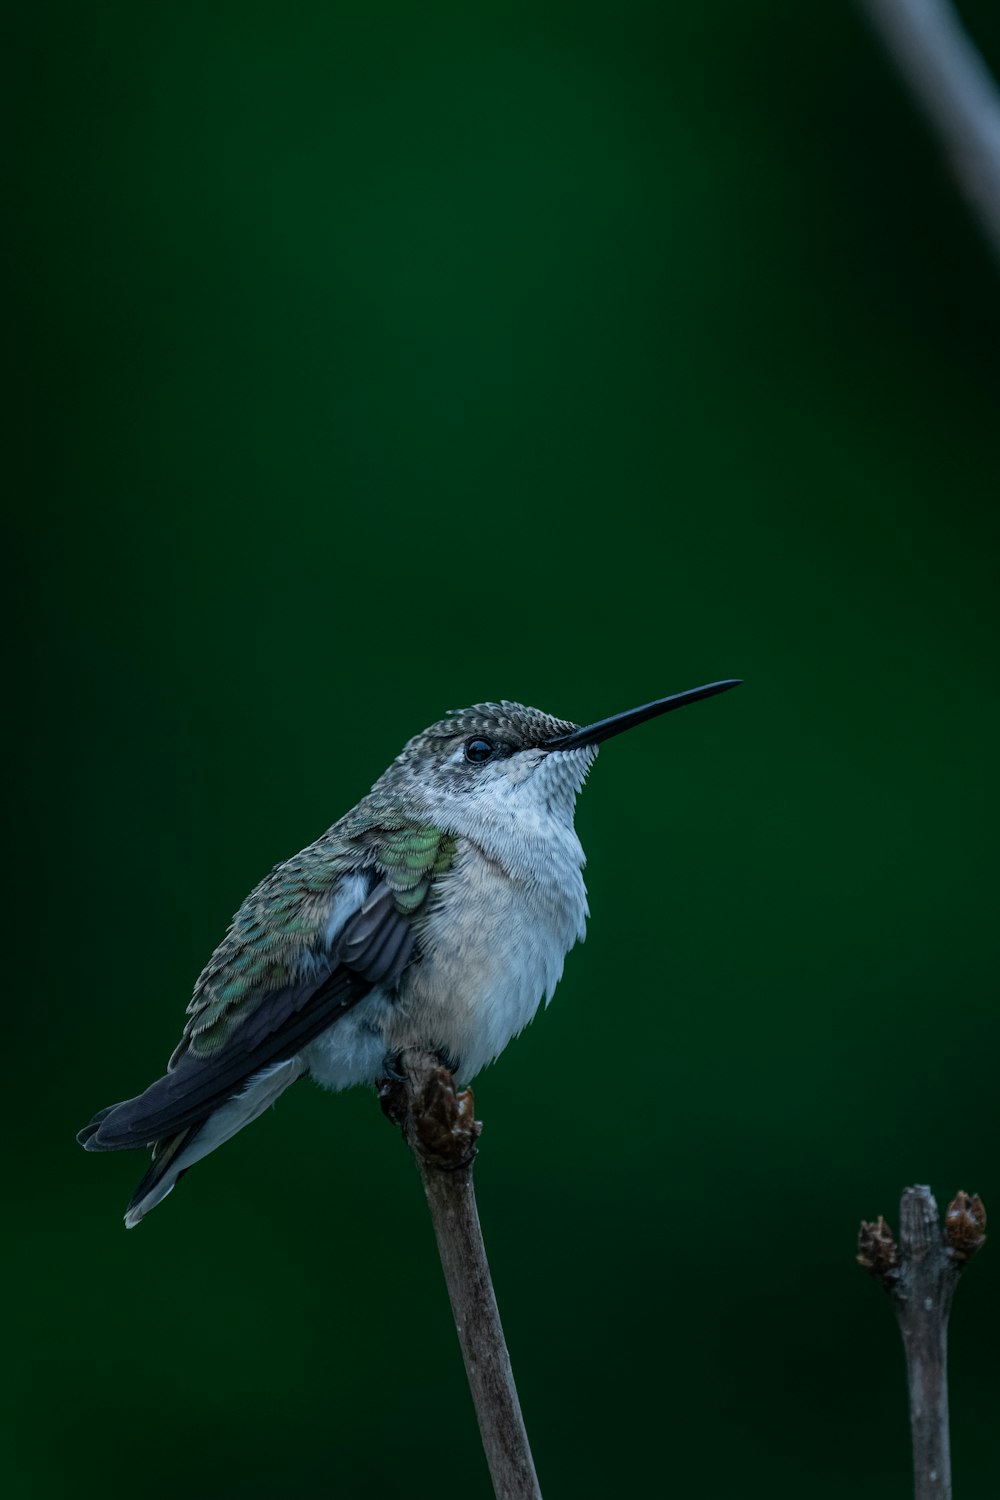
(159, 1180)
(90, 1130)
(173, 1155)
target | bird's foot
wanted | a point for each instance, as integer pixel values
(419, 1095)
(392, 1064)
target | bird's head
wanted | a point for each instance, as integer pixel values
(509, 759)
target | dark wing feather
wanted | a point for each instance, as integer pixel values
(378, 941)
(374, 948)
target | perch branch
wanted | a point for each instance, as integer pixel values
(438, 1125)
(921, 1274)
(956, 92)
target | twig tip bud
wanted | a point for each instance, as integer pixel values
(965, 1225)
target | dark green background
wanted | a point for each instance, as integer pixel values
(381, 358)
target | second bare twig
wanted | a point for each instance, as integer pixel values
(921, 1273)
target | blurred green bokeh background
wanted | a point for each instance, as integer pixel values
(380, 358)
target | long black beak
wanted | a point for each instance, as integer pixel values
(594, 734)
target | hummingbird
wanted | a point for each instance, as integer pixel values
(437, 913)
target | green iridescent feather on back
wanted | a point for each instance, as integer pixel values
(276, 938)
(410, 858)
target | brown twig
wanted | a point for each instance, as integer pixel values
(439, 1126)
(954, 88)
(921, 1274)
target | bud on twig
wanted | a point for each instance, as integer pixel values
(878, 1251)
(965, 1225)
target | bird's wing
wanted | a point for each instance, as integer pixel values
(311, 941)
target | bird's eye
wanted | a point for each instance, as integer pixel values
(478, 750)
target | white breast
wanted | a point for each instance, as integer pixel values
(497, 936)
